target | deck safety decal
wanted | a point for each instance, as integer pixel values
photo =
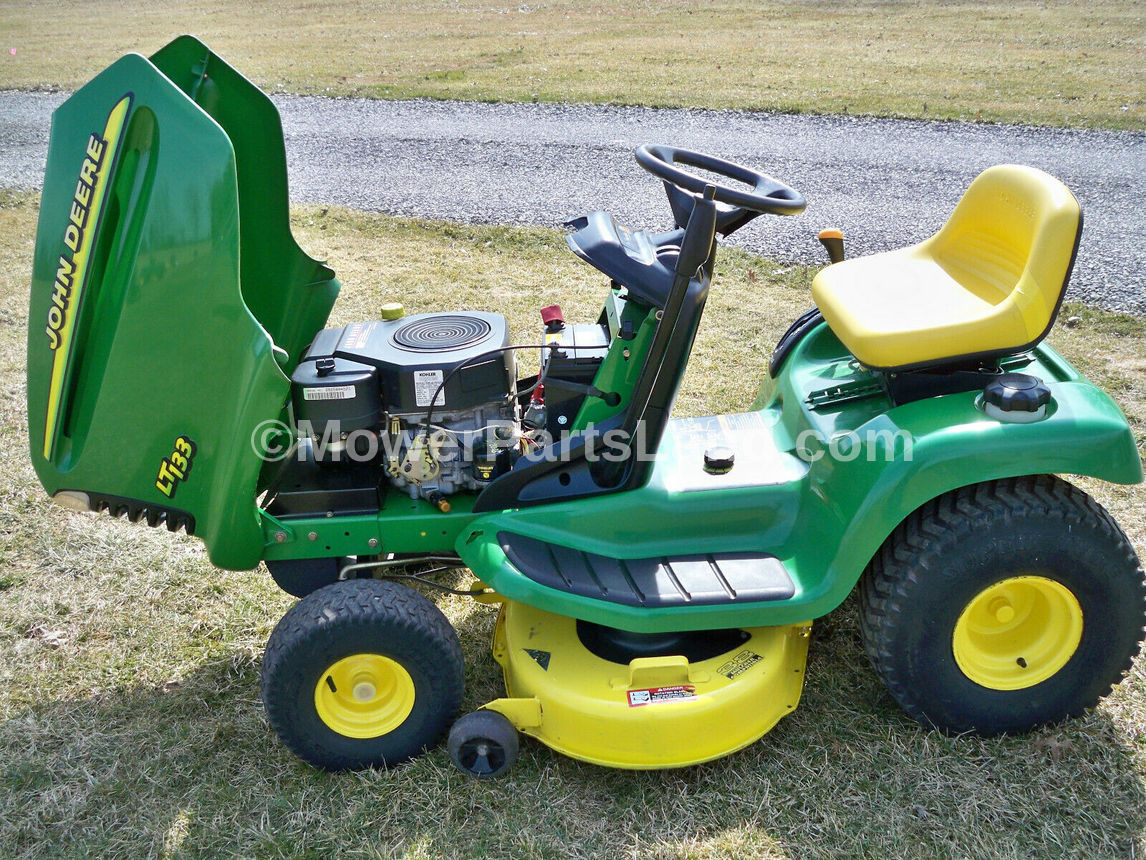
(74, 263)
(658, 695)
(541, 658)
(739, 664)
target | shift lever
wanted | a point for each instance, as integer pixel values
(833, 241)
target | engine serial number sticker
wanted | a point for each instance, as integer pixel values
(426, 385)
(334, 392)
(658, 695)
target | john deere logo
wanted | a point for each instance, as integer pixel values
(84, 213)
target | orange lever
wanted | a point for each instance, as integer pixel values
(833, 241)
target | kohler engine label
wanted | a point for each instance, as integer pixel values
(426, 384)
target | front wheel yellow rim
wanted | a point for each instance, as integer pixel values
(1017, 633)
(364, 696)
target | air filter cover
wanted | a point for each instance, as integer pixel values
(437, 332)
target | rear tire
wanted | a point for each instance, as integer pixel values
(360, 674)
(1003, 605)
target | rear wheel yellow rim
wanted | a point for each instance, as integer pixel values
(1017, 633)
(364, 696)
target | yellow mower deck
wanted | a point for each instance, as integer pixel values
(655, 712)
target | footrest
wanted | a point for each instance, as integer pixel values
(690, 580)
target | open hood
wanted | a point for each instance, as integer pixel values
(169, 300)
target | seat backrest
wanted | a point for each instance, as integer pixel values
(1012, 238)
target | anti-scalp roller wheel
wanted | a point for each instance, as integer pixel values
(483, 744)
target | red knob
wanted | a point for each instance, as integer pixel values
(551, 315)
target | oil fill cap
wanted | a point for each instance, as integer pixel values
(719, 460)
(393, 311)
(1016, 397)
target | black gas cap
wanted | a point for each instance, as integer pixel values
(719, 460)
(1016, 397)
(324, 366)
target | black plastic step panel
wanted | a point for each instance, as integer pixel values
(691, 580)
(306, 489)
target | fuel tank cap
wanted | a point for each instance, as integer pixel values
(1016, 397)
(719, 460)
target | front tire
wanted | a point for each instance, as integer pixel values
(1002, 606)
(362, 673)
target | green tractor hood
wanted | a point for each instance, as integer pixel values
(169, 299)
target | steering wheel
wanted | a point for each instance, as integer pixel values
(767, 195)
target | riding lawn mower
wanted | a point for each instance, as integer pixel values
(657, 577)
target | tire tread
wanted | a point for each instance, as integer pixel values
(917, 546)
(355, 604)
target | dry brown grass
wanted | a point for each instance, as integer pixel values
(1053, 62)
(130, 725)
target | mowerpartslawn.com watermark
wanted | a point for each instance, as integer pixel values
(274, 440)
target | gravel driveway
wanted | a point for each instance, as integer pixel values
(884, 182)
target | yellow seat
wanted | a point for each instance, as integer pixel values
(989, 283)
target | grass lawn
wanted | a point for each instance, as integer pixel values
(1053, 62)
(130, 722)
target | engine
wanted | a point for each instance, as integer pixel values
(431, 401)
(430, 398)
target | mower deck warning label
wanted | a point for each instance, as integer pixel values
(739, 664)
(656, 695)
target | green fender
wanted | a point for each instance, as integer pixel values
(954, 445)
(856, 498)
